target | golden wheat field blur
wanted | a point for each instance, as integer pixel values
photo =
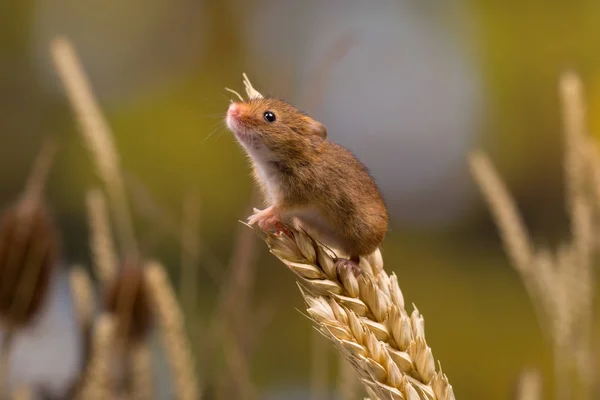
(125, 269)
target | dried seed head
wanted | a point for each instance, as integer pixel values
(29, 252)
(442, 388)
(348, 279)
(423, 359)
(418, 323)
(319, 309)
(374, 298)
(326, 263)
(127, 298)
(306, 247)
(395, 293)
(365, 318)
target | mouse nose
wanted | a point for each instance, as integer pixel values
(235, 109)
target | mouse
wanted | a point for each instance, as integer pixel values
(307, 180)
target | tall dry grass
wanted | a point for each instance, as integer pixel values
(97, 137)
(560, 283)
(30, 246)
(113, 327)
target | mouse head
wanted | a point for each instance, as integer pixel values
(273, 130)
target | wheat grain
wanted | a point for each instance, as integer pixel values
(365, 318)
(172, 327)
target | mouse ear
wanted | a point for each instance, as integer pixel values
(318, 129)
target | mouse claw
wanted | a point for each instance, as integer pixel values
(344, 265)
(280, 229)
(269, 221)
(253, 219)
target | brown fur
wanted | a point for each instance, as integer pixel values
(318, 182)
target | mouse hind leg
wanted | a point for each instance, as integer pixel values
(351, 264)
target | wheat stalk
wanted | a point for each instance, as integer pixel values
(82, 290)
(142, 384)
(348, 383)
(365, 318)
(579, 280)
(529, 386)
(97, 384)
(560, 285)
(101, 241)
(36, 181)
(172, 327)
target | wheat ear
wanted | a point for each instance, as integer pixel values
(171, 323)
(560, 285)
(97, 137)
(365, 319)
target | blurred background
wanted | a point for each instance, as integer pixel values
(410, 86)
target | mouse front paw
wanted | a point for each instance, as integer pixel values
(260, 217)
(268, 220)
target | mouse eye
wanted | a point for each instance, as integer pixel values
(269, 116)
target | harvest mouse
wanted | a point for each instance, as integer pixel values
(309, 181)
